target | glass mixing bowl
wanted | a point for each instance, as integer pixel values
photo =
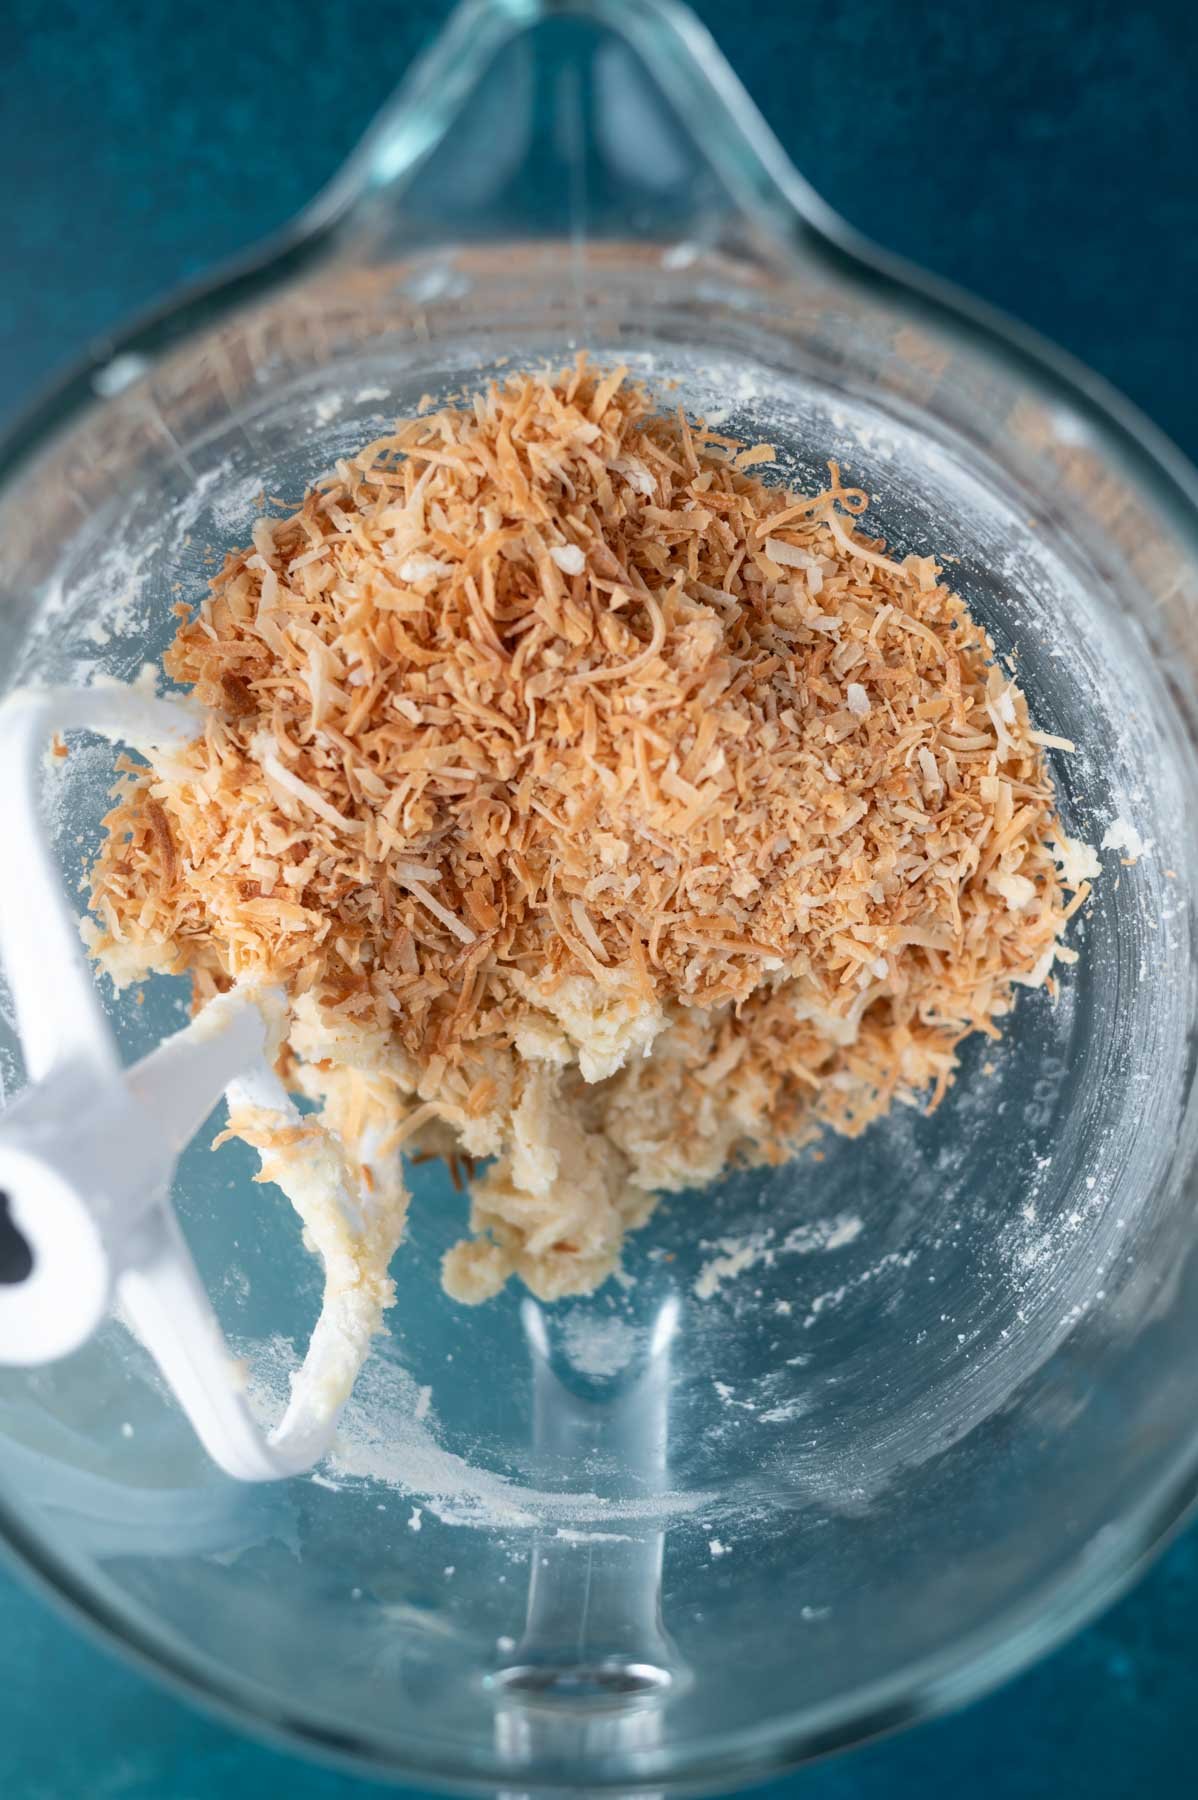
(854, 1437)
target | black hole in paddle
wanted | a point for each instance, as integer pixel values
(16, 1258)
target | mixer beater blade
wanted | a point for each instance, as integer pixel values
(88, 1149)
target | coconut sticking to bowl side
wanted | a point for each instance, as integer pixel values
(599, 809)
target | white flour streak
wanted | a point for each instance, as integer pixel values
(566, 1536)
(897, 1259)
(761, 1249)
(1121, 834)
(599, 1346)
(786, 1413)
(381, 1439)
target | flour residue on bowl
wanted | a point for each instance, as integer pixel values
(1121, 834)
(389, 1435)
(599, 1346)
(761, 1249)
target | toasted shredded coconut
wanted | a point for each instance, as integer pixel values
(533, 774)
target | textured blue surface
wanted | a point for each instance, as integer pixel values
(1044, 155)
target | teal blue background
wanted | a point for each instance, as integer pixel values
(1045, 155)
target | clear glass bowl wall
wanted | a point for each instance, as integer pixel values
(948, 1402)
